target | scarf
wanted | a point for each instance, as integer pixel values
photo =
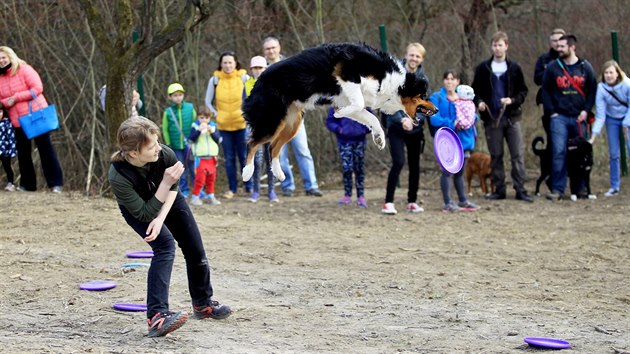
(5, 69)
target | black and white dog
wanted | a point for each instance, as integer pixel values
(351, 77)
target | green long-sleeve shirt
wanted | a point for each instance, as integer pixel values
(128, 197)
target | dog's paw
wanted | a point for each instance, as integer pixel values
(379, 139)
(277, 170)
(248, 172)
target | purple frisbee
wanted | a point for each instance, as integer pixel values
(549, 343)
(448, 150)
(140, 254)
(98, 285)
(129, 307)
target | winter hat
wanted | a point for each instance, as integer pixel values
(258, 61)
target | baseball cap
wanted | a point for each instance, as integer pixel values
(258, 61)
(172, 88)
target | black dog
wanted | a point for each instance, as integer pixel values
(579, 165)
(545, 163)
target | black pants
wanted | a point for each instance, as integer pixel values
(511, 133)
(47, 155)
(397, 143)
(6, 164)
(180, 226)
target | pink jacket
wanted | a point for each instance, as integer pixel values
(18, 86)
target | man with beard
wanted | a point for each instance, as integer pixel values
(569, 86)
(541, 64)
(500, 91)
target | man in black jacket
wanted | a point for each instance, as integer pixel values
(500, 91)
(569, 87)
(539, 70)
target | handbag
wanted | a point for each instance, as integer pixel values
(39, 122)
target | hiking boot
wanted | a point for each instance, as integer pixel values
(553, 196)
(361, 202)
(468, 206)
(273, 198)
(389, 209)
(253, 197)
(10, 187)
(195, 200)
(524, 197)
(213, 201)
(611, 192)
(314, 192)
(162, 324)
(345, 200)
(215, 310)
(287, 193)
(451, 208)
(414, 208)
(496, 196)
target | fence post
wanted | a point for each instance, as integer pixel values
(140, 82)
(622, 140)
(381, 30)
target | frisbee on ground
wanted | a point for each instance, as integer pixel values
(98, 285)
(448, 150)
(129, 307)
(135, 265)
(549, 343)
(140, 254)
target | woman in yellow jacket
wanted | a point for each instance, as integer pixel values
(225, 91)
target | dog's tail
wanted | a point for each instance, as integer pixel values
(538, 139)
(264, 109)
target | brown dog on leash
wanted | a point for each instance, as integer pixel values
(479, 165)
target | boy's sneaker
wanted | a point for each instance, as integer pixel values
(10, 187)
(228, 195)
(468, 206)
(186, 194)
(164, 323)
(345, 200)
(213, 201)
(414, 208)
(451, 208)
(389, 209)
(215, 310)
(273, 198)
(195, 200)
(253, 197)
(611, 192)
(361, 202)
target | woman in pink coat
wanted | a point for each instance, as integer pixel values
(17, 81)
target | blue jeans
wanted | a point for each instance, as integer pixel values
(263, 154)
(189, 165)
(458, 182)
(613, 129)
(234, 146)
(563, 128)
(299, 144)
(179, 226)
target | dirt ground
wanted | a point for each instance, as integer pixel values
(308, 276)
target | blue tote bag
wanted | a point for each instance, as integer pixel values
(39, 122)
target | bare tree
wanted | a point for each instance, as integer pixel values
(125, 58)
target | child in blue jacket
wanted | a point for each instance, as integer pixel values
(351, 142)
(446, 117)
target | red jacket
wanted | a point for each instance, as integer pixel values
(18, 86)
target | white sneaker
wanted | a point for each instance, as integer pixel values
(195, 200)
(10, 187)
(57, 189)
(611, 193)
(389, 209)
(414, 208)
(213, 201)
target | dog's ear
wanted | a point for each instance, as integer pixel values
(414, 87)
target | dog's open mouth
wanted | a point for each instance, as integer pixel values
(427, 111)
